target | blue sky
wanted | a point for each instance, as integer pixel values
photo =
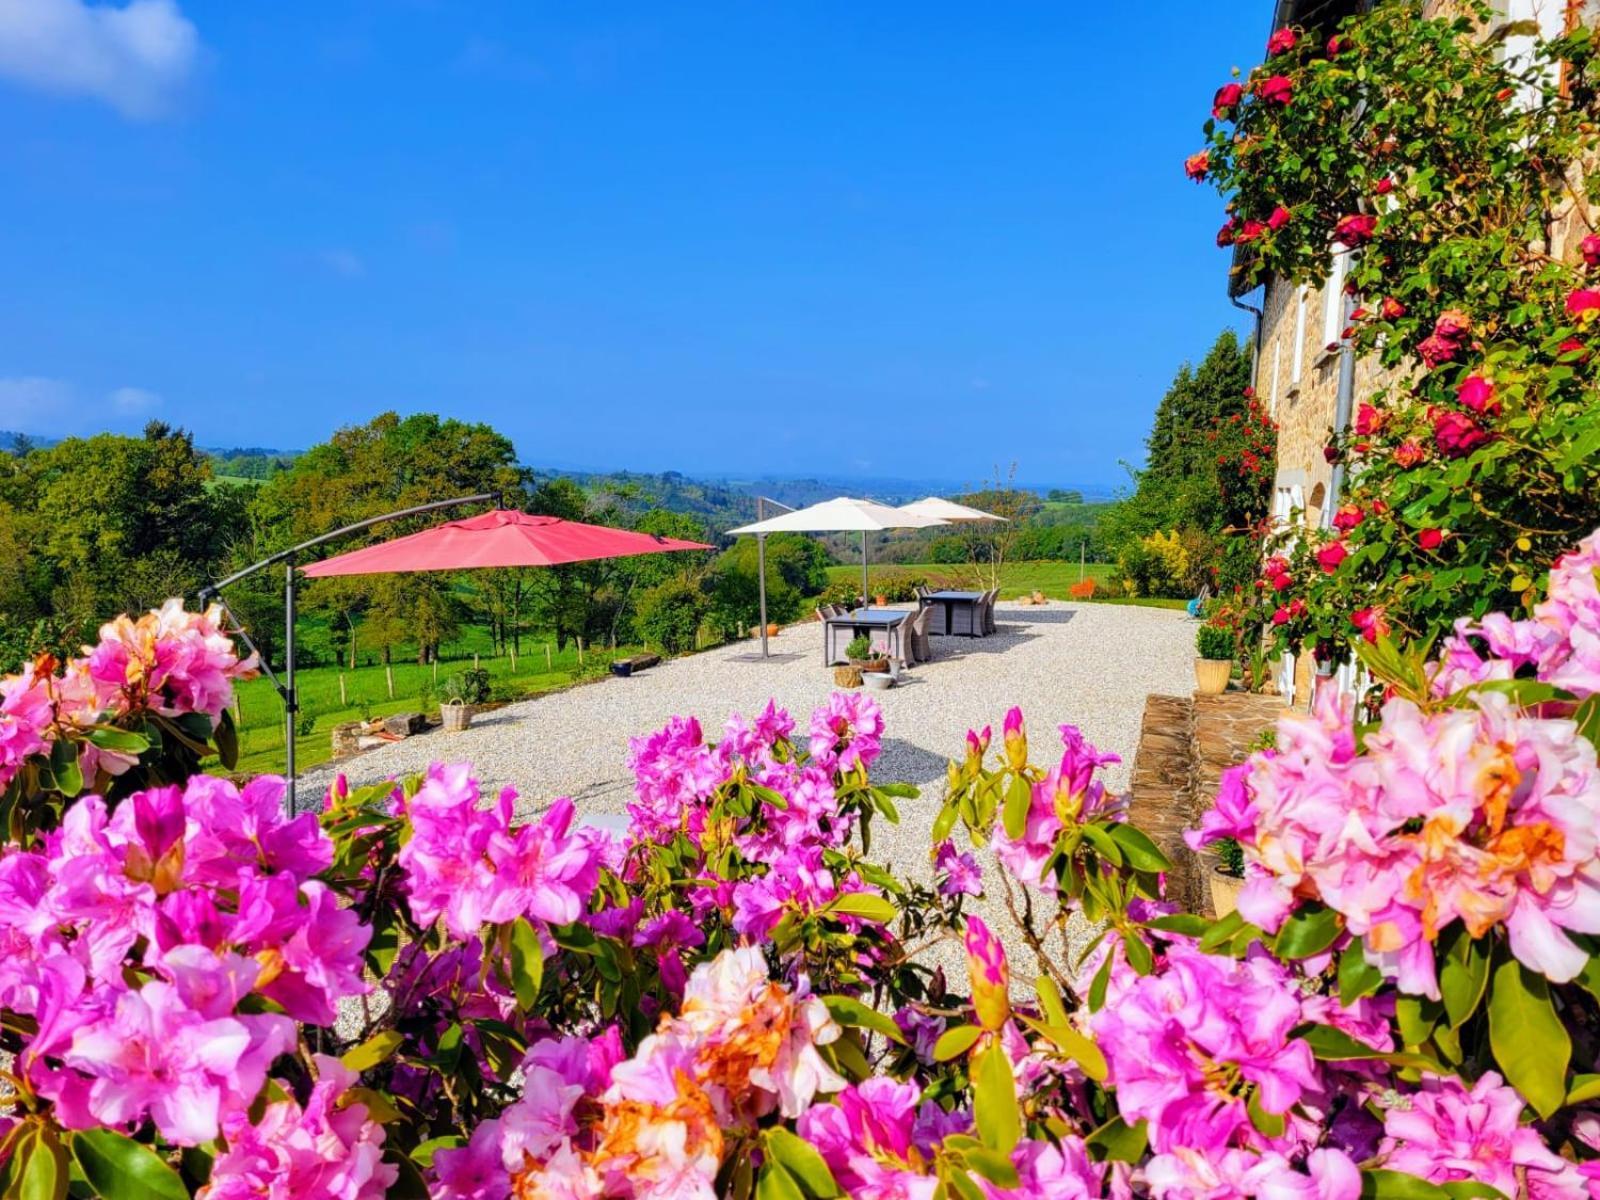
(794, 238)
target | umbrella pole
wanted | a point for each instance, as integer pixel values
(863, 568)
(761, 571)
(290, 701)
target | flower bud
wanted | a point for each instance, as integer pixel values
(989, 975)
(1016, 740)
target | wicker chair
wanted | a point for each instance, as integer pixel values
(966, 619)
(988, 610)
(921, 643)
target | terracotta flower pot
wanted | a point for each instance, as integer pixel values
(772, 629)
(1211, 675)
(1225, 891)
(880, 601)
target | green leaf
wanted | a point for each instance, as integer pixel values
(1099, 984)
(1050, 1000)
(376, 1049)
(1222, 932)
(847, 1010)
(801, 1160)
(955, 1041)
(1416, 1018)
(1463, 978)
(1117, 1141)
(1269, 1124)
(1014, 816)
(774, 1183)
(1309, 930)
(1335, 1045)
(1584, 1088)
(527, 964)
(119, 1168)
(1527, 1038)
(1074, 1045)
(1587, 715)
(43, 1167)
(1357, 977)
(1396, 1185)
(992, 1165)
(1187, 924)
(65, 768)
(1142, 853)
(123, 741)
(867, 905)
(1104, 843)
(994, 1100)
(226, 738)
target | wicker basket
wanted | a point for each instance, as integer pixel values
(847, 677)
(457, 716)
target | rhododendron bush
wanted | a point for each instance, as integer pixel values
(414, 992)
(1447, 167)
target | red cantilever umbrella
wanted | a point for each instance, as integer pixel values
(502, 538)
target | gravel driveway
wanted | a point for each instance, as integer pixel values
(1088, 664)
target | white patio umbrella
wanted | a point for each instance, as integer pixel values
(948, 510)
(842, 514)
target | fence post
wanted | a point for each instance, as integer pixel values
(344, 701)
(388, 674)
(547, 663)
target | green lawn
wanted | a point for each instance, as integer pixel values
(366, 693)
(1016, 579)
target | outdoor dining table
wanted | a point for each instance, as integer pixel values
(948, 600)
(868, 621)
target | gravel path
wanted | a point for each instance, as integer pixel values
(1088, 664)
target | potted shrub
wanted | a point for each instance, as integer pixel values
(460, 695)
(881, 599)
(1227, 877)
(1214, 663)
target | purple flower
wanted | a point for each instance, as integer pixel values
(846, 732)
(962, 874)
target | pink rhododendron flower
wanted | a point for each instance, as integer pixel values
(175, 661)
(331, 1148)
(846, 732)
(1052, 1171)
(1069, 792)
(1189, 1174)
(877, 1141)
(1449, 1134)
(674, 773)
(961, 875)
(26, 712)
(1016, 740)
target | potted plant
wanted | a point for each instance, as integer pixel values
(881, 599)
(1227, 877)
(863, 657)
(1214, 663)
(460, 695)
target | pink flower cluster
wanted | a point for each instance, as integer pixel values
(469, 865)
(654, 1126)
(144, 942)
(1069, 793)
(1479, 812)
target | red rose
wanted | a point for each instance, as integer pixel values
(1358, 314)
(1371, 623)
(1348, 517)
(1196, 165)
(1296, 607)
(1590, 247)
(1249, 392)
(1393, 310)
(1226, 235)
(1572, 346)
(1435, 350)
(1409, 453)
(1379, 507)
(1336, 46)
(1477, 393)
(1331, 454)
(1384, 186)
(1250, 231)
(1355, 230)
(1583, 304)
(1453, 324)
(1368, 420)
(1281, 42)
(1278, 219)
(1276, 89)
(1282, 583)
(1331, 555)
(1274, 566)
(1456, 434)
(1281, 617)
(1429, 539)
(1505, 94)
(1226, 100)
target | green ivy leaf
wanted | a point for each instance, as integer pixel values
(1528, 1040)
(119, 1168)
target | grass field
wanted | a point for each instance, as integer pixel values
(1016, 579)
(366, 694)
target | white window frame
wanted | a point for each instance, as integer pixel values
(1551, 18)
(1333, 306)
(1296, 362)
(1277, 355)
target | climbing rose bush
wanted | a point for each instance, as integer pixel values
(1457, 177)
(424, 990)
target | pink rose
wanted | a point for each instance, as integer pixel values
(1371, 623)
(1281, 42)
(1409, 453)
(1336, 46)
(1583, 304)
(1226, 100)
(1429, 539)
(1279, 218)
(1574, 347)
(1276, 89)
(1590, 248)
(1393, 310)
(1477, 393)
(1331, 555)
(1348, 517)
(1251, 230)
(1281, 617)
(1456, 434)
(1368, 420)
(1453, 324)
(1434, 349)
(1384, 186)
(1356, 229)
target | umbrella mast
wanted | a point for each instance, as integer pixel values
(285, 687)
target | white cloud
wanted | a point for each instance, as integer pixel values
(27, 400)
(129, 401)
(344, 263)
(136, 57)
